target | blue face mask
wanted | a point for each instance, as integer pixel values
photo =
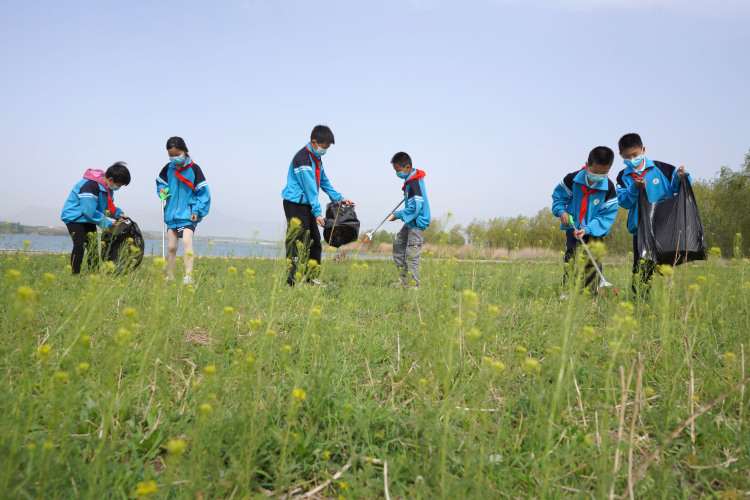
(634, 162)
(402, 175)
(177, 160)
(115, 188)
(595, 178)
(321, 151)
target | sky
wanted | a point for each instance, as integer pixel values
(496, 100)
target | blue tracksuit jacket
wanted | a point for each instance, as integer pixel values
(87, 203)
(184, 201)
(305, 179)
(601, 203)
(661, 183)
(416, 212)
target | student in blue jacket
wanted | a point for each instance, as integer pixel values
(188, 201)
(304, 180)
(591, 198)
(90, 204)
(407, 247)
(660, 180)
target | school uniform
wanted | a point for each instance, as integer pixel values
(593, 208)
(89, 204)
(407, 247)
(188, 195)
(662, 183)
(305, 178)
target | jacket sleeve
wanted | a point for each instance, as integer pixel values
(327, 187)
(414, 203)
(675, 181)
(412, 210)
(201, 194)
(90, 211)
(162, 181)
(599, 225)
(118, 212)
(627, 192)
(561, 197)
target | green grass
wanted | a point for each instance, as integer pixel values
(240, 387)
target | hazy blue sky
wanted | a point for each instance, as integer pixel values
(495, 100)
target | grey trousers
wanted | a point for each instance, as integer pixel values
(406, 253)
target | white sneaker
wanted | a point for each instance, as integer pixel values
(188, 280)
(318, 283)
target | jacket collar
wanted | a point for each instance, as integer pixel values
(311, 150)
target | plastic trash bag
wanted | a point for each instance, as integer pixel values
(670, 231)
(124, 245)
(341, 224)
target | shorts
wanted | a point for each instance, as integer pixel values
(182, 228)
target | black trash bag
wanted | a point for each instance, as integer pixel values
(341, 224)
(123, 245)
(670, 231)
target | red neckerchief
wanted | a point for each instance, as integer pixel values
(638, 176)
(584, 202)
(182, 177)
(110, 203)
(317, 161)
(419, 175)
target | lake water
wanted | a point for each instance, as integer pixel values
(153, 247)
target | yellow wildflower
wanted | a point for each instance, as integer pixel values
(299, 394)
(146, 489)
(175, 447)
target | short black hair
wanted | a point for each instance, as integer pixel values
(628, 141)
(177, 142)
(601, 155)
(119, 173)
(401, 159)
(322, 133)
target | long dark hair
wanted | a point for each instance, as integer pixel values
(177, 142)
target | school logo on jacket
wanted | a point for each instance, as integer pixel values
(596, 202)
(656, 181)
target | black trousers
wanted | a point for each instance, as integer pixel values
(84, 239)
(307, 234)
(642, 270)
(571, 245)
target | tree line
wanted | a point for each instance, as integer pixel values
(11, 227)
(724, 204)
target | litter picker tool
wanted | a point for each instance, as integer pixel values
(163, 195)
(368, 236)
(602, 283)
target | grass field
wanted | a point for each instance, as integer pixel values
(480, 385)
